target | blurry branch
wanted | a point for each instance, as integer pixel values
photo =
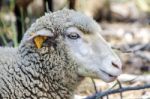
(124, 50)
(15, 39)
(4, 39)
(22, 22)
(140, 50)
(138, 47)
(136, 52)
(142, 47)
(120, 86)
(48, 5)
(0, 4)
(134, 78)
(8, 29)
(72, 4)
(145, 56)
(20, 11)
(99, 95)
(94, 85)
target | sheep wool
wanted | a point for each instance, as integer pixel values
(47, 72)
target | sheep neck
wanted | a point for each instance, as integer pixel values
(51, 72)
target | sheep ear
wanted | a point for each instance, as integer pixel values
(40, 36)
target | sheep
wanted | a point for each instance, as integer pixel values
(54, 56)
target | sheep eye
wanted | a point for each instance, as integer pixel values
(73, 36)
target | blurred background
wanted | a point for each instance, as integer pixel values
(125, 25)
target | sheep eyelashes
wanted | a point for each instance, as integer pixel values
(57, 51)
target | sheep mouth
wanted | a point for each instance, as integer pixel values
(110, 75)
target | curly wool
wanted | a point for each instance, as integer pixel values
(46, 73)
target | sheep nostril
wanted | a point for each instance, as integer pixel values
(115, 65)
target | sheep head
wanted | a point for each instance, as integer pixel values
(80, 35)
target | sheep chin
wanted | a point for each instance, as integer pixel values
(96, 74)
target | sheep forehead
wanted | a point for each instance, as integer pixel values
(85, 23)
(62, 19)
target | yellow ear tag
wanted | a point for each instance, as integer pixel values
(39, 41)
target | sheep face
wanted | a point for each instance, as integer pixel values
(81, 37)
(95, 56)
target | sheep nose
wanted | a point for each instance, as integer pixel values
(117, 65)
